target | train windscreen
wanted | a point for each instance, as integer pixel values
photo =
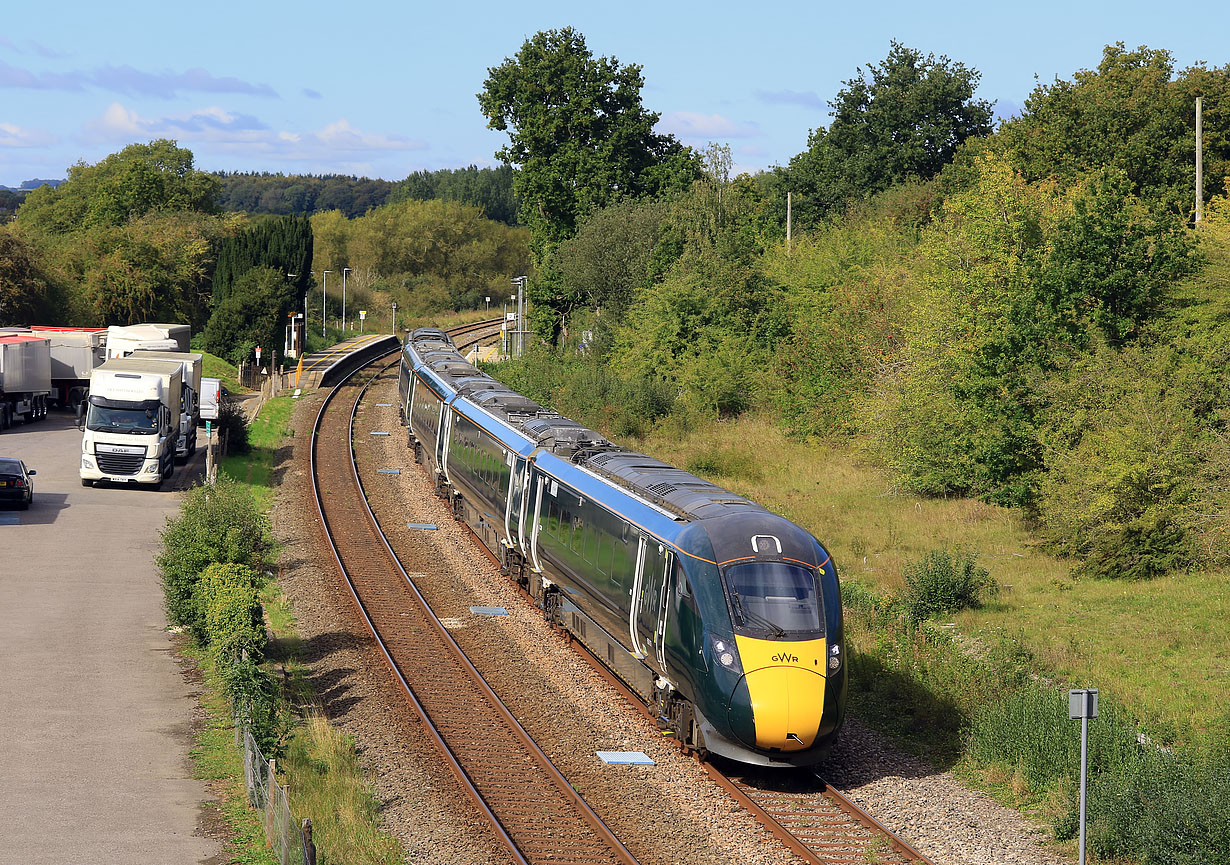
(777, 598)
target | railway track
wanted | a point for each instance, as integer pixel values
(535, 812)
(467, 335)
(816, 822)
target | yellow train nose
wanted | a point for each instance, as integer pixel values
(787, 703)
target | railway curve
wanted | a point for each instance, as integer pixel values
(534, 810)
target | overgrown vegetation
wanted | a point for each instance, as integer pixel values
(945, 581)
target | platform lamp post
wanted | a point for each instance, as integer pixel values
(1083, 705)
(345, 270)
(324, 295)
(394, 317)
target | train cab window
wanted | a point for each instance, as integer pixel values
(775, 597)
(682, 586)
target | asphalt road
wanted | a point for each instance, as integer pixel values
(94, 710)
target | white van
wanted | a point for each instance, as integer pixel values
(211, 396)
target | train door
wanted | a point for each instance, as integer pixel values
(648, 612)
(516, 496)
(443, 438)
(535, 515)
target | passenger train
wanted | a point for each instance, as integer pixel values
(724, 617)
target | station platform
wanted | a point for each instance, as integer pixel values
(325, 368)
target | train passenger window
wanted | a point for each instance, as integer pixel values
(591, 543)
(578, 533)
(552, 524)
(599, 550)
(565, 527)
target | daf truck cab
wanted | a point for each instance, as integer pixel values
(131, 422)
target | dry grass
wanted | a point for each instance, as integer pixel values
(329, 788)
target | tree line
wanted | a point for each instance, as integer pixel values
(306, 195)
(141, 236)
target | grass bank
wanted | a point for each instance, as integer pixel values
(1161, 648)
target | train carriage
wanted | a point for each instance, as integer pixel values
(719, 613)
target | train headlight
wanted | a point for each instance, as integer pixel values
(725, 654)
(834, 658)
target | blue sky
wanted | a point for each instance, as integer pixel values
(381, 89)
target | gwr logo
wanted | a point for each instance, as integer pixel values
(783, 658)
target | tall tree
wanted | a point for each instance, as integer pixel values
(25, 291)
(1131, 114)
(139, 180)
(578, 133)
(900, 119)
(283, 243)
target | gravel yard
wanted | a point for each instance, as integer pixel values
(666, 813)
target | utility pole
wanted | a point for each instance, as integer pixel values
(789, 203)
(1199, 160)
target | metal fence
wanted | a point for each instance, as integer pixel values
(290, 840)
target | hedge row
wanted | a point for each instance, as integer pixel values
(210, 564)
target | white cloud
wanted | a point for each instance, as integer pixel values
(691, 125)
(12, 135)
(241, 132)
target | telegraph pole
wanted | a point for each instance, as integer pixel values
(789, 202)
(1199, 160)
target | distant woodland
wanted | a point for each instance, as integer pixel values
(280, 194)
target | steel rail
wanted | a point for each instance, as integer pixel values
(613, 849)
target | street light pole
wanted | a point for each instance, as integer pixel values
(324, 294)
(345, 270)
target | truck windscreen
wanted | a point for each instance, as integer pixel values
(122, 420)
(775, 597)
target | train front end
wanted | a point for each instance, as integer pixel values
(774, 684)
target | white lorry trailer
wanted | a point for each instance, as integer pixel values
(132, 422)
(123, 341)
(25, 377)
(75, 352)
(190, 396)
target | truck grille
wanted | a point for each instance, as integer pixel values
(120, 463)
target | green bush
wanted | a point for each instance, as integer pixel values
(944, 582)
(217, 523)
(257, 699)
(229, 617)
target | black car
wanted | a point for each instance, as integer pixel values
(15, 483)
